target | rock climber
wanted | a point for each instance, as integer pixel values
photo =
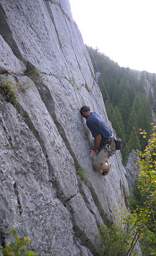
(101, 133)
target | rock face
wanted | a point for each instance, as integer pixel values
(148, 81)
(48, 189)
(132, 169)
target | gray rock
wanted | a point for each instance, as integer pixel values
(91, 204)
(82, 216)
(61, 169)
(27, 198)
(34, 34)
(132, 170)
(43, 138)
(8, 61)
(107, 188)
(66, 7)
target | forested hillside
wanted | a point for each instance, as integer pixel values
(129, 98)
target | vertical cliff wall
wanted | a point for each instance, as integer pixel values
(149, 83)
(46, 75)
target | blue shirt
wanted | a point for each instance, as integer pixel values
(97, 126)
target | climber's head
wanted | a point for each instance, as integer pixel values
(85, 111)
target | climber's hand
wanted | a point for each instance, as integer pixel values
(93, 152)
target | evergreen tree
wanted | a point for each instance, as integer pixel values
(132, 121)
(133, 142)
(118, 124)
(143, 209)
(125, 105)
(144, 116)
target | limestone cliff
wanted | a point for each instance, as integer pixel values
(46, 75)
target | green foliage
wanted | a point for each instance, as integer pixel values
(18, 246)
(147, 180)
(81, 173)
(132, 144)
(140, 115)
(115, 241)
(148, 243)
(143, 206)
(8, 92)
(32, 72)
(118, 124)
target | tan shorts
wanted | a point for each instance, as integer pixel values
(101, 162)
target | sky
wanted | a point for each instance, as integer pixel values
(124, 30)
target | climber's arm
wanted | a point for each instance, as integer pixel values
(97, 143)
